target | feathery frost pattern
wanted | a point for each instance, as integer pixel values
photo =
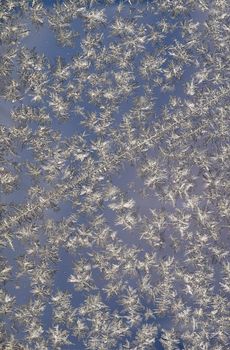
(114, 175)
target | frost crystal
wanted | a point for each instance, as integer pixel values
(114, 175)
